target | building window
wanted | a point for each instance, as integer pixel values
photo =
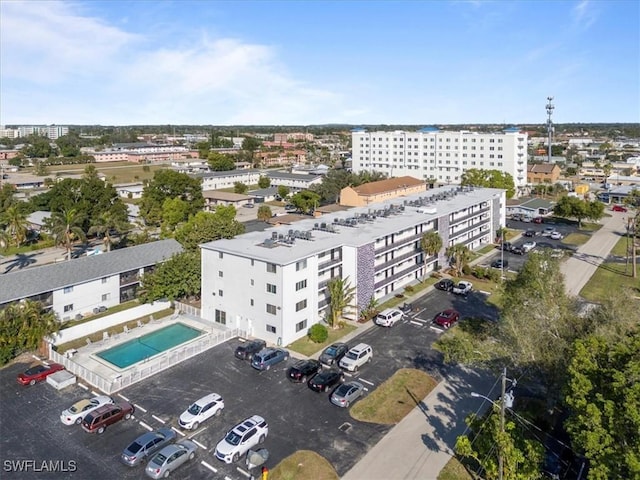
(251, 302)
(68, 308)
(221, 317)
(105, 280)
(106, 296)
(68, 289)
(271, 329)
(220, 255)
(301, 305)
(301, 284)
(271, 267)
(271, 288)
(220, 293)
(252, 262)
(301, 325)
(220, 274)
(271, 309)
(252, 282)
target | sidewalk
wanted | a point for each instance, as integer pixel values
(421, 444)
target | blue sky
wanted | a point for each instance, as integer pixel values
(306, 62)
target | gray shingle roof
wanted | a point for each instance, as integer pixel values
(35, 280)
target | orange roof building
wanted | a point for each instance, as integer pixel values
(375, 192)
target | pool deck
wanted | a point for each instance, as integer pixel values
(87, 358)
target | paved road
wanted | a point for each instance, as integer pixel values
(422, 443)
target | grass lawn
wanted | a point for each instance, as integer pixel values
(609, 276)
(413, 290)
(486, 249)
(620, 248)
(303, 465)
(576, 239)
(395, 398)
(454, 470)
(308, 348)
(116, 172)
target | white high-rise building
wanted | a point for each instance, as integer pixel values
(431, 153)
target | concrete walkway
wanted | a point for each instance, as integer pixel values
(420, 445)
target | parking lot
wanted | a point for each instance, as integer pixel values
(298, 417)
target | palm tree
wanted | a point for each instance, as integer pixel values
(431, 244)
(460, 255)
(341, 294)
(65, 228)
(606, 168)
(264, 213)
(104, 225)
(16, 223)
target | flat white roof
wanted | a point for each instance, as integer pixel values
(251, 245)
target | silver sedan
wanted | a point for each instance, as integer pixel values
(170, 457)
(347, 393)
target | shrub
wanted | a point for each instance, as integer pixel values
(466, 269)
(318, 333)
(409, 288)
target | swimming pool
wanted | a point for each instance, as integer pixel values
(149, 345)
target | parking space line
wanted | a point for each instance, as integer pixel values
(159, 419)
(123, 397)
(436, 329)
(82, 385)
(178, 431)
(197, 432)
(199, 444)
(365, 381)
(243, 472)
(36, 357)
(416, 323)
(419, 312)
(93, 392)
(145, 425)
(227, 478)
(210, 467)
(139, 407)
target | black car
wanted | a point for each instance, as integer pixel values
(518, 250)
(303, 370)
(446, 285)
(500, 264)
(325, 380)
(333, 353)
(530, 233)
(507, 246)
(247, 350)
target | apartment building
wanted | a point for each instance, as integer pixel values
(51, 131)
(441, 155)
(273, 283)
(75, 287)
(543, 173)
(381, 190)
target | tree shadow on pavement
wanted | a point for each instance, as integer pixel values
(20, 261)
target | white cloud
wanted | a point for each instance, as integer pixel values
(584, 14)
(94, 70)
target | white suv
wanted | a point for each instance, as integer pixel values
(241, 438)
(201, 410)
(389, 317)
(356, 357)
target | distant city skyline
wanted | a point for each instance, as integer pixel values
(313, 63)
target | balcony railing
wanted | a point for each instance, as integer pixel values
(468, 229)
(396, 276)
(398, 243)
(396, 260)
(475, 213)
(329, 263)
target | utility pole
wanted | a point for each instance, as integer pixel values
(550, 108)
(502, 413)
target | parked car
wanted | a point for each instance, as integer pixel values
(326, 379)
(389, 317)
(146, 445)
(247, 350)
(303, 370)
(446, 285)
(462, 288)
(537, 220)
(38, 373)
(556, 236)
(531, 233)
(356, 357)
(347, 393)
(241, 438)
(446, 318)
(548, 231)
(170, 457)
(248, 205)
(76, 412)
(528, 246)
(406, 307)
(619, 208)
(98, 420)
(201, 410)
(268, 357)
(507, 246)
(518, 250)
(333, 354)
(500, 263)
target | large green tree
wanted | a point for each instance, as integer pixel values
(239, 187)
(574, 207)
(341, 296)
(23, 325)
(459, 255)
(178, 277)
(219, 162)
(489, 179)
(169, 184)
(306, 201)
(65, 226)
(264, 213)
(205, 227)
(264, 182)
(14, 222)
(69, 145)
(37, 147)
(283, 191)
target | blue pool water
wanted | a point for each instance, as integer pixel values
(139, 348)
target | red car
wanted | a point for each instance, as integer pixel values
(537, 220)
(619, 208)
(446, 318)
(38, 373)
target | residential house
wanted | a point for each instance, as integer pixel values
(543, 173)
(387, 189)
